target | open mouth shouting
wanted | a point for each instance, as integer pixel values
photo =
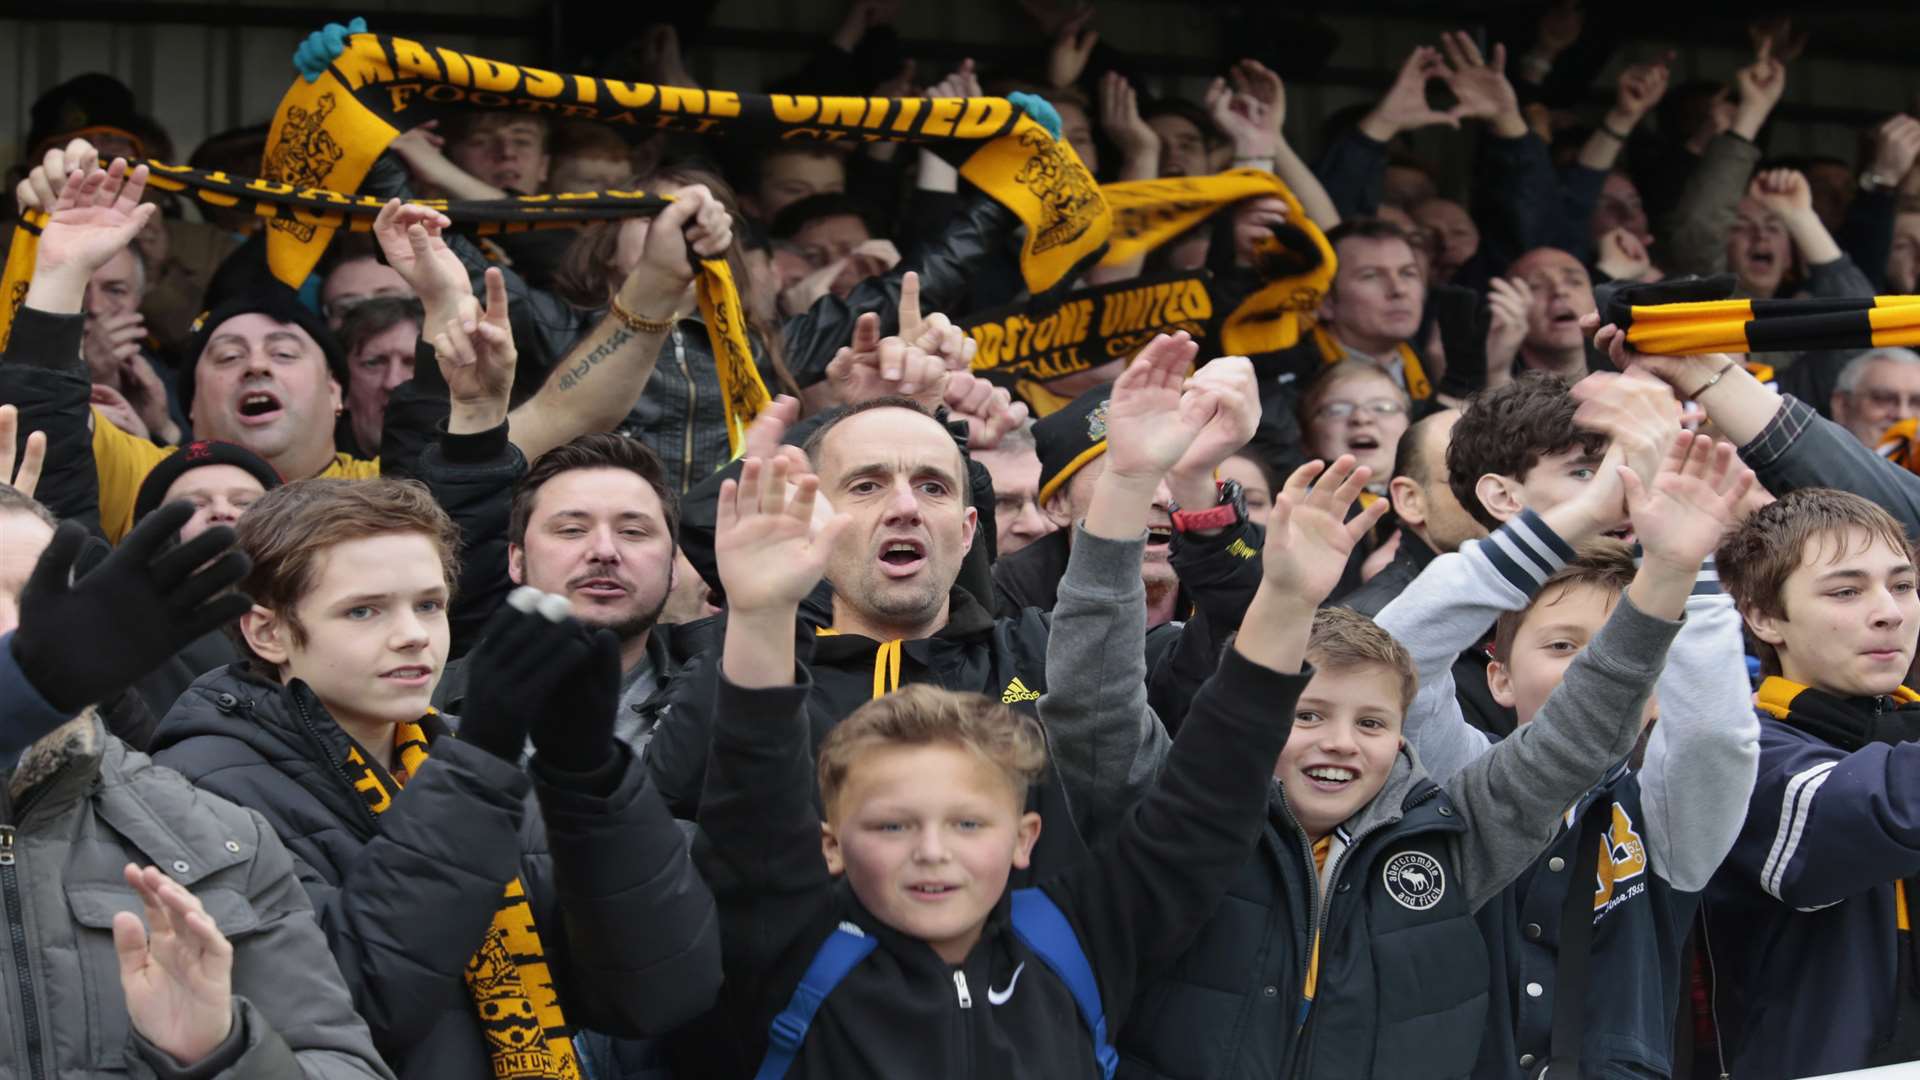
(902, 557)
(257, 408)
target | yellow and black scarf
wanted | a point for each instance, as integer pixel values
(1692, 316)
(1419, 387)
(507, 977)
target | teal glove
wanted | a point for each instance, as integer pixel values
(322, 47)
(1040, 109)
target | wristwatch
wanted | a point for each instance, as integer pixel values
(1231, 509)
(1875, 181)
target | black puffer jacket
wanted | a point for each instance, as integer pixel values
(405, 897)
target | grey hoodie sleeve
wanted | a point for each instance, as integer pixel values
(1705, 750)
(1106, 742)
(1698, 225)
(1512, 797)
(1449, 607)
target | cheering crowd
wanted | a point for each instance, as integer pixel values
(443, 665)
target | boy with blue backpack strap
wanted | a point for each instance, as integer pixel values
(902, 952)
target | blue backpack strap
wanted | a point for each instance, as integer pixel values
(839, 954)
(1039, 922)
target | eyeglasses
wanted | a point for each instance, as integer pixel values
(1340, 410)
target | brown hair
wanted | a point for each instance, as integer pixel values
(925, 715)
(585, 138)
(1507, 430)
(290, 527)
(15, 501)
(1344, 638)
(818, 440)
(1601, 564)
(598, 450)
(371, 318)
(1342, 372)
(1755, 561)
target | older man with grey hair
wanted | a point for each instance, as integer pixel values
(1876, 390)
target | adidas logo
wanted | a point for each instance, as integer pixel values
(1017, 691)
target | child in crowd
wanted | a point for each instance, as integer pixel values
(1369, 864)
(1809, 918)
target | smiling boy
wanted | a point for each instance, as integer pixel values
(1811, 908)
(1381, 863)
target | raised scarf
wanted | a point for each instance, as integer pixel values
(1691, 316)
(507, 977)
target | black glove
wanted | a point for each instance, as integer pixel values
(575, 734)
(518, 666)
(87, 640)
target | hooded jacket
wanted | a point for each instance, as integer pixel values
(1404, 976)
(1098, 755)
(91, 807)
(406, 897)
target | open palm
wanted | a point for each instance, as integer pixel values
(1150, 419)
(769, 553)
(1309, 536)
(95, 218)
(1693, 500)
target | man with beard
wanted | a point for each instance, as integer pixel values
(594, 521)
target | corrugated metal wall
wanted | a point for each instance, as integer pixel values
(228, 71)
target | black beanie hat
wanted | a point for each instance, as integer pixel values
(192, 456)
(1068, 439)
(89, 102)
(276, 303)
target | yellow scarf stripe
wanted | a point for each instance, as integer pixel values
(328, 132)
(1715, 326)
(507, 977)
(1149, 213)
(1419, 387)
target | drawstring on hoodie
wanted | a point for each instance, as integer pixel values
(886, 668)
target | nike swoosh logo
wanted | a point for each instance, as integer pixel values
(999, 997)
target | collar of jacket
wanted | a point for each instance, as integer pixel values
(1847, 723)
(60, 768)
(967, 622)
(1417, 552)
(281, 723)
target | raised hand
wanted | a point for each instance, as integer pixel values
(1236, 414)
(1138, 143)
(477, 360)
(109, 341)
(694, 225)
(1151, 420)
(1481, 85)
(144, 603)
(872, 366)
(862, 16)
(1896, 143)
(769, 551)
(1623, 257)
(960, 82)
(989, 410)
(1776, 35)
(1783, 191)
(933, 333)
(1760, 84)
(1694, 498)
(1639, 88)
(1309, 535)
(1254, 221)
(1635, 409)
(1405, 107)
(527, 654)
(1249, 119)
(1685, 374)
(1072, 47)
(141, 386)
(24, 475)
(176, 970)
(410, 238)
(43, 184)
(1509, 300)
(95, 217)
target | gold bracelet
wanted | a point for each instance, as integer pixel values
(1717, 376)
(637, 324)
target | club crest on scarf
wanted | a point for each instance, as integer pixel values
(304, 155)
(1063, 186)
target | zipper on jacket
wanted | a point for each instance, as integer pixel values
(686, 424)
(339, 768)
(960, 989)
(17, 935)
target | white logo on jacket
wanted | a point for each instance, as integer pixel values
(999, 997)
(1414, 880)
